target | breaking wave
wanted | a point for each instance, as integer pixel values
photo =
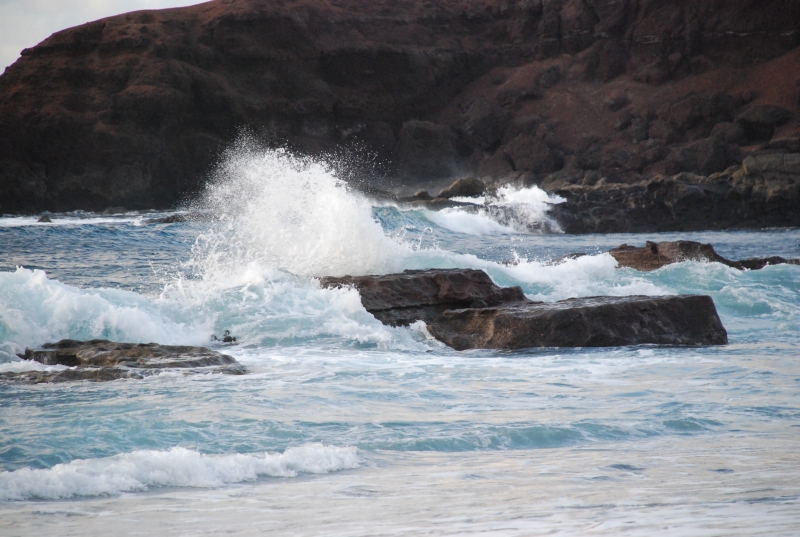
(178, 467)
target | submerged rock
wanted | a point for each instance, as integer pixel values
(102, 360)
(44, 219)
(658, 254)
(464, 309)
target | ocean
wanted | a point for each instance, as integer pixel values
(346, 427)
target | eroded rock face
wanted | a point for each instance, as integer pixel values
(658, 254)
(464, 309)
(101, 360)
(133, 110)
(764, 191)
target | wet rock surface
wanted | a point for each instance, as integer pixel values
(464, 309)
(764, 191)
(102, 360)
(655, 255)
(401, 299)
(585, 322)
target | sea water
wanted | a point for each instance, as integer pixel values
(344, 426)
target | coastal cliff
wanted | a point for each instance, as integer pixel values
(585, 97)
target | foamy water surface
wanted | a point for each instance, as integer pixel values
(344, 426)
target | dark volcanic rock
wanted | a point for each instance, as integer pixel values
(467, 188)
(401, 299)
(101, 360)
(656, 255)
(465, 309)
(759, 122)
(585, 322)
(133, 110)
(763, 192)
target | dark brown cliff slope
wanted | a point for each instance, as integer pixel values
(131, 110)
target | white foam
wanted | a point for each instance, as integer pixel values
(458, 220)
(72, 220)
(22, 366)
(590, 275)
(259, 306)
(508, 209)
(178, 467)
(35, 309)
(285, 212)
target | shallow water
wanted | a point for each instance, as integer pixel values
(347, 427)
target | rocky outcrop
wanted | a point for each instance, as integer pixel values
(763, 192)
(101, 360)
(132, 110)
(401, 299)
(658, 254)
(585, 322)
(464, 309)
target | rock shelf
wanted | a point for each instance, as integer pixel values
(464, 309)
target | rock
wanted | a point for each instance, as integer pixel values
(617, 102)
(464, 188)
(401, 299)
(437, 204)
(764, 192)
(585, 322)
(115, 210)
(550, 77)
(134, 110)
(44, 219)
(705, 157)
(759, 121)
(171, 219)
(464, 309)
(101, 360)
(420, 195)
(730, 132)
(425, 151)
(656, 255)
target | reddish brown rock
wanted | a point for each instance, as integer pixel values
(132, 110)
(585, 322)
(101, 360)
(401, 299)
(658, 254)
(464, 309)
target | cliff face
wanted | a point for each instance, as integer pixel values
(132, 110)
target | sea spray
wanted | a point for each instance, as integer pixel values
(511, 208)
(281, 211)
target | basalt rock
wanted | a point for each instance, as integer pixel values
(134, 110)
(762, 192)
(656, 255)
(468, 187)
(401, 299)
(101, 360)
(464, 309)
(585, 322)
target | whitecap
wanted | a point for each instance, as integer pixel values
(177, 467)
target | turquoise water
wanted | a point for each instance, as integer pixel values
(335, 402)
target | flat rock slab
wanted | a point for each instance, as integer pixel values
(465, 309)
(585, 322)
(102, 360)
(655, 255)
(400, 299)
